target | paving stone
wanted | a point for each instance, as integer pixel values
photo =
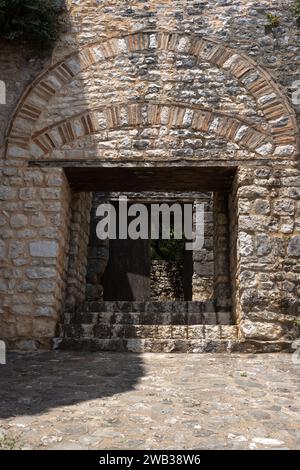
(77, 400)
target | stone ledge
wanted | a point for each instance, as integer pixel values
(149, 307)
(144, 318)
(168, 332)
(176, 346)
(146, 345)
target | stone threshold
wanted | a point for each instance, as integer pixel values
(149, 345)
(145, 318)
(146, 306)
(143, 345)
(120, 331)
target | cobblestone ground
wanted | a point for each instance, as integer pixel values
(67, 400)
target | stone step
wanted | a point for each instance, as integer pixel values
(148, 307)
(119, 331)
(214, 339)
(143, 318)
(148, 327)
(148, 313)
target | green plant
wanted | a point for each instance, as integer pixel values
(296, 11)
(168, 250)
(8, 443)
(296, 8)
(273, 21)
(35, 22)
(297, 323)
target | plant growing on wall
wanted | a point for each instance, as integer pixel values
(273, 22)
(168, 250)
(34, 22)
(296, 11)
(297, 323)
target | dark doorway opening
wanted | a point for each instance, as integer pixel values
(143, 270)
(146, 297)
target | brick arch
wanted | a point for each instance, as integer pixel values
(259, 83)
(143, 114)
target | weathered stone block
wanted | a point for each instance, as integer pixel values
(284, 207)
(245, 244)
(46, 286)
(45, 311)
(43, 328)
(294, 246)
(38, 220)
(43, 249)
(262, 207)
(3, 249)
(224, 318)
(261, 331)
(41, 273)
(263, 245)
(7, 193)
(18, 220)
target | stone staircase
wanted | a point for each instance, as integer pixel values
(148, 327)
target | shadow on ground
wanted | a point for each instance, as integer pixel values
(34, 383)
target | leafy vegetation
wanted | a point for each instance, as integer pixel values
(273, 22)
(297, 323)
(296, 8)
(168, 250)
(296, 11)
(35, 22)
(8, 442)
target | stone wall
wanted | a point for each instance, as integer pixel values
(78, 249)
(98, 255)
(203, 288)
(233, 243)
(203, 260)
(34, 240)
(166, 280)
(268, 253)
(222, 284)
(154, 83)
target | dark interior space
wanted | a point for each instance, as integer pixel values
(173, 178)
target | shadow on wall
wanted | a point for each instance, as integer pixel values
(34, 383)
